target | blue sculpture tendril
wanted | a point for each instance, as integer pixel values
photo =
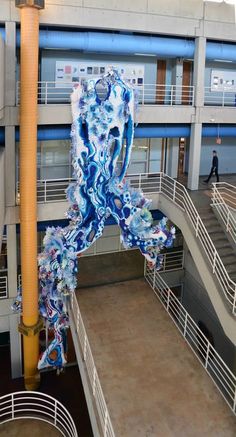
(99, 128)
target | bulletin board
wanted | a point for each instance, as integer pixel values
(74, 71)
(223, 80)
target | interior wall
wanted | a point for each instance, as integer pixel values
(196, 301)
(226, 154)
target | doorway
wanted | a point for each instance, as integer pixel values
(181, 158)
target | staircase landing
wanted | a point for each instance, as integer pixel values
(153, 384)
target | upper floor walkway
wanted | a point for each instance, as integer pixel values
(137, 361)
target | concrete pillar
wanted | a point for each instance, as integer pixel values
(194, 156)
(11, 260)
(15, 346)
(10, 166)
(177, 79)
(196, 128)
(10, 63)
(173, 157)
(199, 70)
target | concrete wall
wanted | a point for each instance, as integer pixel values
(226, 154)
(196, 301)
(179, 17)
(2, 192)
(2, 48)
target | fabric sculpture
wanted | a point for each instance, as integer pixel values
(101, 122)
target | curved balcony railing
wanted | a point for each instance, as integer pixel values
(39, 406)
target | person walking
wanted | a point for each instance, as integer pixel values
(214, 167)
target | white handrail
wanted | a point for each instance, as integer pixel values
(220, 97)
(39, 406)
(216, 368)
(182, 199)
(228, 192)
(153, 183)
(148, 94)
(3, 287)
(218, 202)
(96, 388)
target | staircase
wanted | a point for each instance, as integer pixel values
(219, 239)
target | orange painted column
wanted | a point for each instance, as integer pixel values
(30, 325)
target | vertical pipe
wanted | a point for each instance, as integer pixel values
(28, 198)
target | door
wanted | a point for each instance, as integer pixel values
(186, 82)
(161, 82)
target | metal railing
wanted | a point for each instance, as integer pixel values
(214, 365)
(95, 385)
(148, 94)
(219, 98)
(227, 192)
(3, 285)
(221, 206)
(39, 406)
(50, 190)
(178, 194)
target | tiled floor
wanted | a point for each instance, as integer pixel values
(153, 383)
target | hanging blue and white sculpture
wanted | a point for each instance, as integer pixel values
(100, 126)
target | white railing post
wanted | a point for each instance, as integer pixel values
(234, 406)
(171, 95)
(164, 262)
(45, 191)
(46, 93)
(234, 302)
(94, 381)
(154, 279)
(174, 190)
(139, 181)
(105, 423)
(168, 300)
(55, 414)
(143, 95)
(207, 355)
(77, 320)
(85, 347)
(223, 98)
(227, 222)
(185, 324)
(12, 406)
(214, 261)
(145, 267)
(193, 95)
(197, 226)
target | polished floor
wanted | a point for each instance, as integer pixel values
(28, 428)
(153, 384)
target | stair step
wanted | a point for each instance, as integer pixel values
(229, 259)
(221, 243)
(225, 251)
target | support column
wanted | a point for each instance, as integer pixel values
(194, 156)
(173, 157)
(15, 346)
(196, 128)
(199, 70)
(30, 325)
(10, 63)
(11, 261)
(177, 79)
(10, 166)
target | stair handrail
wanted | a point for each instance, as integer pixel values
(218, 202)
(217, 369)
(228, 192)
(178, 194)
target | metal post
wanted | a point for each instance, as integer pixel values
(45, 191)
(171, 95)
(207, 355)
(185, 324)
(227, 223)
(94, 381)
(46, 93)
(214, 261)
(12, 406)
(197, 226)
(105, 423)
(174, 190)
(55, 416)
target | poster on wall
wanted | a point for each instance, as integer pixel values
(223, 80)
(77, 72)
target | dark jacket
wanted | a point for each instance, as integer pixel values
(215, 162)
